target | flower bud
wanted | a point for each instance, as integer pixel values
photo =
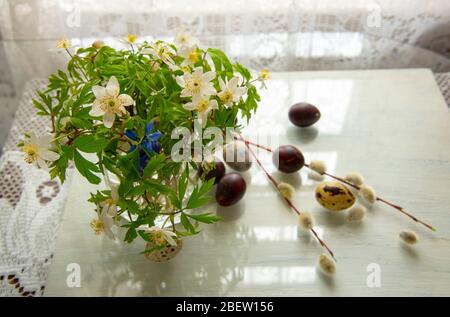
(306, 220)
(318, 166)
(326, 264)
(286, 190)
(368, 194)
(409, 237)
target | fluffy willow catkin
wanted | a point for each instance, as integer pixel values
(286, 190)
(326, 264)
(306, 220)
(356, 213)
(409, 237)
(318, 166)
(368, 194)
(355, 178)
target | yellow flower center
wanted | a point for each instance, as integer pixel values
(226, 96)
(111, 104)
(63, 43)
(131, 38)
(265, 74)
(202, 105)
(193, 56)
(31, 153)
(98, 226)
(183, 39)
(193, 85)
(109, 201)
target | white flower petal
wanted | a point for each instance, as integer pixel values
(48, 155)
(105, 208)
(41, 163)
(114, 193)
(147, 51)
(99, 91)
(44, 141)
(33, 138)
(108, 119)
(222, 84)
(112, 210)
(189, 106)
(239, 92)
(180, 81)
(96, 110)
(112, 88)
(209, 89)
(171, 241)
(208, 76)
(213, 104)
(233, 82)
(125, 100)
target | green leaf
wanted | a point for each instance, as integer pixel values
(125, 187)
(243, 71)
(86, 168)
(199, 196)
(182, 184)
(130, 235)
(89, 143)
(155, 164)
(206, 218)
(221, 61)
(186, 223)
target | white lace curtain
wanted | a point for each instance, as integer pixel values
(278, 34)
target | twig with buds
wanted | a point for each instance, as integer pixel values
(377, 198)
(288, 201)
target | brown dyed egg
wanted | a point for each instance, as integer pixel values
(304, 114)
(237, 156)
(334, 196)
(164, 254)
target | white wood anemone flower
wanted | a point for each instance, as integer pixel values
(161, 51)
(160, 236)
(103, 224)
(190, 55)
(230, 91)
(109, 206)
(109, 102)
(184, 40)
(197, 83)
(129, 39)
(37, 150)
(202, 105)
(63, 43)
(264, 76)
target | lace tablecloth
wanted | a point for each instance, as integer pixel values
(31, 206)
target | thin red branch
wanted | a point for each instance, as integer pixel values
(397, 207)
(288, 201)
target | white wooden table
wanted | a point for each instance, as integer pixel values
(391, 125)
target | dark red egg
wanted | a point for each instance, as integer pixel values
(288, 159)
(230, 189)
(237, 156)
(304, 114)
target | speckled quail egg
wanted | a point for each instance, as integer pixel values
(334, 196)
